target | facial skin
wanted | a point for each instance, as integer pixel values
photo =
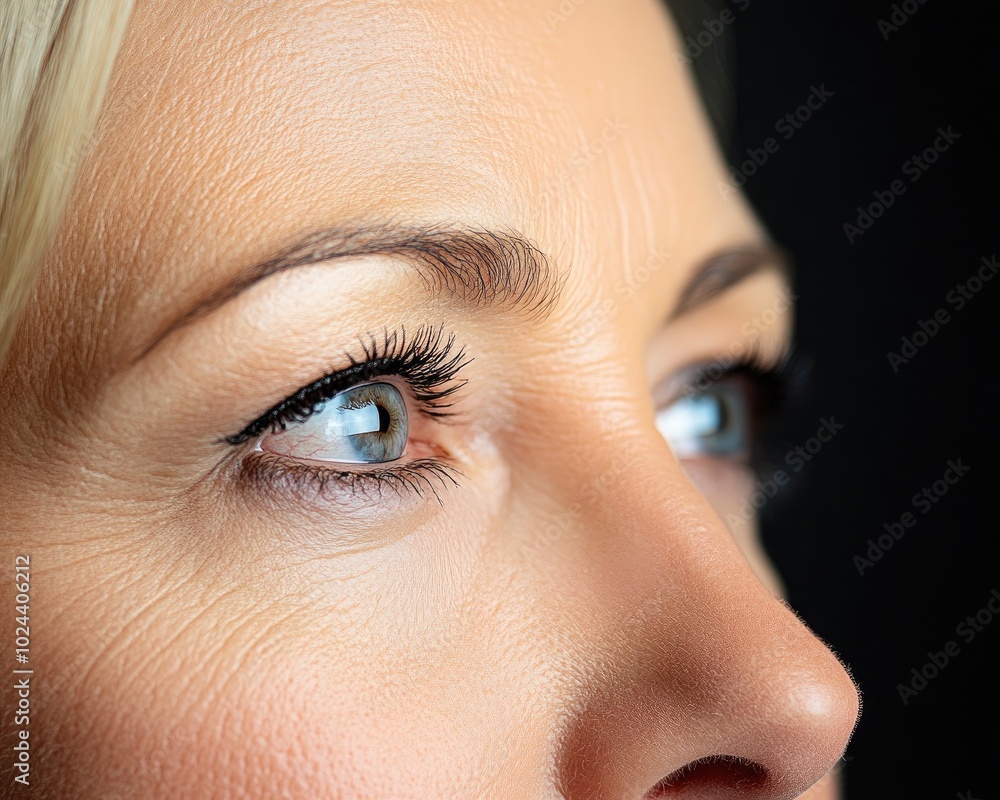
(574, 618)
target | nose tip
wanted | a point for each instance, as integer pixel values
(828, 703)
(789, 714)
(746, 703)
(765, 720)
(811, 723)
(823, 708)
(790, 705)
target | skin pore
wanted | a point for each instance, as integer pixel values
(277, 188)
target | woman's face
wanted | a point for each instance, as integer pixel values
(337, 430)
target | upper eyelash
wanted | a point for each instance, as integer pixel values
(771, 384)
(778, 380)
(781, 384)
(426, 361)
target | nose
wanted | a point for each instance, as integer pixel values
(706, 685)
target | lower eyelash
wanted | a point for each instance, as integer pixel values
(275, 473)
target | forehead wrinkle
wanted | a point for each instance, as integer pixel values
(621, 205)
(649, 222)
(640, 179)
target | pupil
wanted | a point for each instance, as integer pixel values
(723, 415)
(383, 419)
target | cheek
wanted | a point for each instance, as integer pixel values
(154, 680)
(209, 681)
(205, 702)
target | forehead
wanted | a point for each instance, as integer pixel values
(227, 132)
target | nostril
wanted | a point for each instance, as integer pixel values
(712, 776)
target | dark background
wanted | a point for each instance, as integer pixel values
(892, 90)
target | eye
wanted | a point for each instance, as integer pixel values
(365, 424)
(380, 409)
(719, 411)
(713, 422)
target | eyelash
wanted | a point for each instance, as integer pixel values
(428, 361)
(419, 476)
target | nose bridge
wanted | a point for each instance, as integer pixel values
(696, 658)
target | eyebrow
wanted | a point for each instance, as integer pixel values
(479, 267)
(725, 268)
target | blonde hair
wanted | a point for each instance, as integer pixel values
(55, 66)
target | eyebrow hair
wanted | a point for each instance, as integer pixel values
(725, 268)
(480, 267)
